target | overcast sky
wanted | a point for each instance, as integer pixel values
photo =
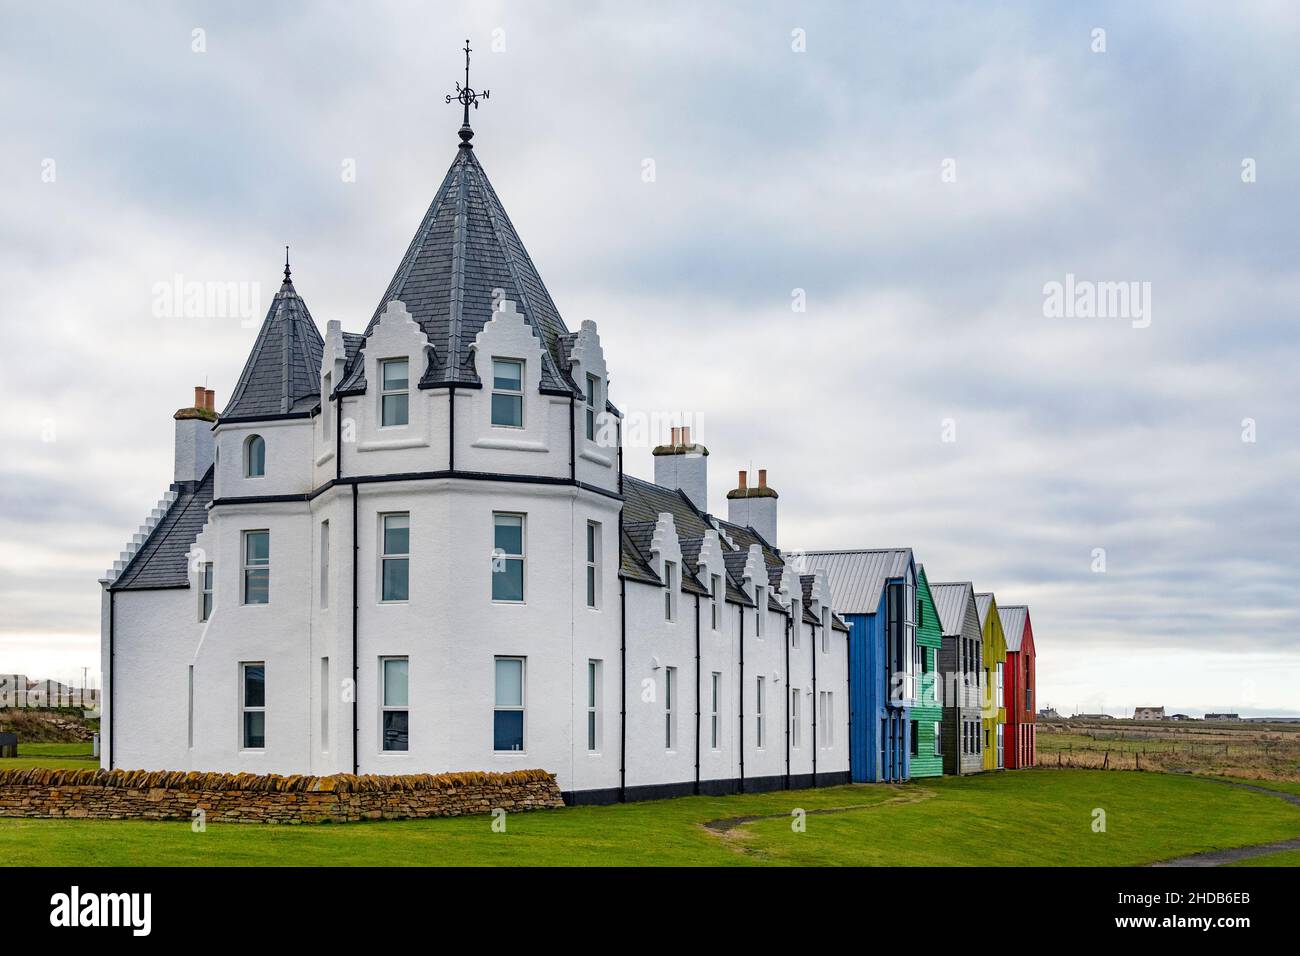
(919, 171)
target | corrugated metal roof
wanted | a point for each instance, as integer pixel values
(857, 577)
(950, 600)
(982, 604)
(1013, 618)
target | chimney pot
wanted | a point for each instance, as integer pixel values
(686, 434)
(198, 396)
(762, 477)
(743, 479)
(210, 399)
(676, 437)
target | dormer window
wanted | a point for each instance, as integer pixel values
(670, 591)
(760, 600)
(394, 397)
(593, 395)
(716, 589)
(254, 457)
(508, 393)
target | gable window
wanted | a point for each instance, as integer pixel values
(715, 695)
(394, 394)
(826, 631)
(760, 600)
(760, 718)
(593, 706)
(508, 713)
(508, 557)
(592, 395)
(508, 393)
(257, 567)
(716, 590)
(394, 561)
(1001, 702)
(254, 457)
(205, 596)
(252, 704)
(670, 591)
(796, 730)
(795, 628)
(670, 708)
(593, 564)
(826, 723)
(394, 673)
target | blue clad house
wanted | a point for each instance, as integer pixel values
(875, 594)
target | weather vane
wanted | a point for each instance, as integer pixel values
(466, 96)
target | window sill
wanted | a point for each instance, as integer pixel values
(511, 444)
(595, 458)
(391, 444)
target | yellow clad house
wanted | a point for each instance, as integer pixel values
(992, 703)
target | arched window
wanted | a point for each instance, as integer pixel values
(254, 457)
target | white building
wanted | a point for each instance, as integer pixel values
(415, 550)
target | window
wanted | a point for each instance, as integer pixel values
(507, 557)
(795, 728)
(670, 591)
(189, 733)
(759, 718)
(593, 706)
(826, 723)
(508, 393)
(394, 397)
(252, 704)
(394, 699)
(988, 743)
(593, 564)
(394, 561)
(1000, 688)
(1001, 744)
(715, 588)
(670, 705)
(326, 422)
(760, 601)
(325, 564)
(325, 695)
(915, 748)
(796, 628)
(826, 630)
(205, 594)
(715, 696)
(593, 394)
(938, 738)
(257, 567)
(254, 457)
(508, 717)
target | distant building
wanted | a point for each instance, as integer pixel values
(1048, 713)
(1149, 713)
(1181, 717)
(1092, 717)
(1223, 716)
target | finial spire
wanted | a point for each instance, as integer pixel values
(466, 96)
(286, 264)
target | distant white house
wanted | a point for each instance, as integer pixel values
(1149, 713)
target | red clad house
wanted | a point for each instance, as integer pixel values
(1021, 684)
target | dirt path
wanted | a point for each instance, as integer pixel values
(1222, 857)
(724, 826)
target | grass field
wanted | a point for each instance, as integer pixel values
(1039, 817)
(58, 756)
(1285, 858)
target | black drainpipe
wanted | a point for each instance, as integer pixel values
(697, 694)
(338, 436)
(787, 699)
(814, 701)
(112, 684)
(741, 609)
(848, 694)
(356, 734)
(622, 681)
(451, 428)
(573, 445)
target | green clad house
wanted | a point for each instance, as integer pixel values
(927, 712)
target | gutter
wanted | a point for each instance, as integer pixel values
(451, 428)
(112, 684)
(573, 445)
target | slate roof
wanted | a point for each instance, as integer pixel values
(950, 600)
(858, 577)
(282, 374)
(1013, 618)
(464, 249)
(161, 562)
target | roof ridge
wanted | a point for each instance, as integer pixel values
(460, 238)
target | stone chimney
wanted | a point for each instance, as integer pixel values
(194, 441)
(684, 464)
(754, 507)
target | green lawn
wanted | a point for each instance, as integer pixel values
(1039, 817)
(75, 756)
(1285, 858)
